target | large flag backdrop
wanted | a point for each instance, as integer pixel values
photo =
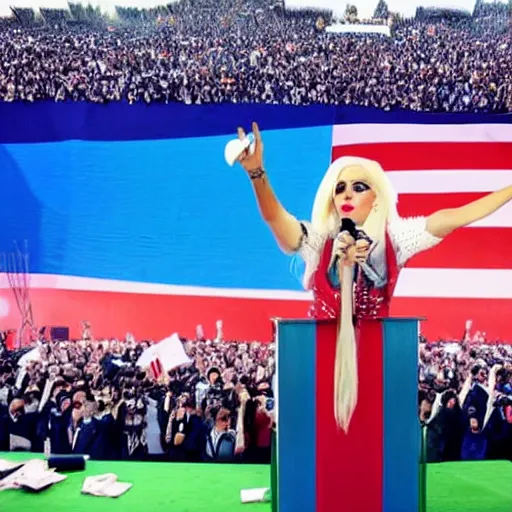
(135, 223)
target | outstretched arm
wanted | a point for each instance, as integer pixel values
(284, 226)
(443, 222)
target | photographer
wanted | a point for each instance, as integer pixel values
(499, 415)
(478, 394)
(260, 419)
(499, 429)
(185, 432)
(131, 420)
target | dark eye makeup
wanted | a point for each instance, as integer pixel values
(360, 186)
(357, 186)
(340, 188)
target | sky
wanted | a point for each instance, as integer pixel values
(365, 7)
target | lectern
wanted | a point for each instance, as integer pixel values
(376, 466)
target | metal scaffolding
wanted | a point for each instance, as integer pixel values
(15, 265)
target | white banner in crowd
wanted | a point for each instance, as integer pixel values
(33, 355)
(169, 352)
(340, 28)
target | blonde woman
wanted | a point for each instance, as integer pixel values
(353, 273)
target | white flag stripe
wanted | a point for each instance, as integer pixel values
(449, 181)
(91, 284)
(348, 134)
(413, 282)
(455, 283)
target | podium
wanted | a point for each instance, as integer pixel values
(376, 467)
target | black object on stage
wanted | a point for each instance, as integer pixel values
(63, 463)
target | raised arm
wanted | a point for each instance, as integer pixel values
(443, 222)
(491, 390)
(285, 227)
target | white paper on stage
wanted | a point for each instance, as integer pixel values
(34, 474)
(169, 352)
(39, 481)
(105, 485)
(254, 495)
(8, 465)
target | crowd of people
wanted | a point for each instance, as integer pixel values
(248, 51)
(91, 397)
(465, 401)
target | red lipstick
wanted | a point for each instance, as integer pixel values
(347, 208)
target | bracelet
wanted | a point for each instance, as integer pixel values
(256, 174)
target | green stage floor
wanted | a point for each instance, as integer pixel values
(452, 487)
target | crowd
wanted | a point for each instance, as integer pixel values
(248, 51)
(465, 401)
(91, 397)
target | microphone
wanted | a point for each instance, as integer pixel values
(350, 226)
(357, 234)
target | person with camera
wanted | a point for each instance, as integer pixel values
(497, 424)
(131, 420)
(223, 443)
(478, 394)
(185, 431)
(262, 422)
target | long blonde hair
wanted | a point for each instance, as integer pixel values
(326, 221)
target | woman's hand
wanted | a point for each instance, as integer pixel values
(350, 251)
(252, 161)
(362, 250)
(344, 248)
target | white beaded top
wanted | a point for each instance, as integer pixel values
(409, 237)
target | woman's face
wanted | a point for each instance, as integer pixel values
(353, 196)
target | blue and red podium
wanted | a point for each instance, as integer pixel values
(376, 466)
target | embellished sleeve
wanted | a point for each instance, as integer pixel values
(311, 243)
(410, 237)
(307, 254)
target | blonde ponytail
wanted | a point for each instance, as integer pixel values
(345, 368)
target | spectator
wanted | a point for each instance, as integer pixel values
(257, 52)
(95, 400)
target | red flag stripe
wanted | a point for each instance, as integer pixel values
(153, 370)
(468, 248)
(444, 316)
(156, 368)
(412, 156)
(150, 316)
(473, 282)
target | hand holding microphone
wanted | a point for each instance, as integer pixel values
(344, 248)
(351, 246)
